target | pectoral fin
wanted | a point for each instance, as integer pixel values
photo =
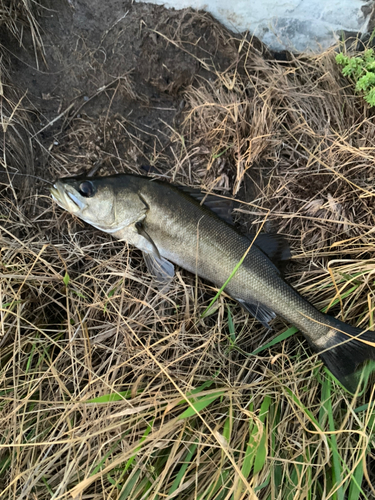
(159, 267)
(148, 244)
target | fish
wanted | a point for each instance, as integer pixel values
(175, 225)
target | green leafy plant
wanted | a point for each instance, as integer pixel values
(362, 70)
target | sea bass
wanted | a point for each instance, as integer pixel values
(171, 225)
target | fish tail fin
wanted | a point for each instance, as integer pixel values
(345, 350)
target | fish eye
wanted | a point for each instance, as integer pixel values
(86, 189)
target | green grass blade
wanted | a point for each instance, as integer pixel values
(291, 486)
(263, 485)
(145, 434)
(355, 490)
(66, 279)
(250, 450)
(227, 430)
(283, 336)
(110, 398)
(178, 479)
(370, 408)
(261, 455)
(232, 332)
(129, 485)
(30, 359)
(336, 469)
(342, 296)
(199, 405)
(275, 476)
(219, 484)
(201, 388)
(49, 489)
(217, 155)
(4, 463)
(97, 467)
(142, 489)
(302, 407)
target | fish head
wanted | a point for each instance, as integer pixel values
(106, 203)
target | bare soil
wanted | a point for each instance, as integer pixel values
(113, 67)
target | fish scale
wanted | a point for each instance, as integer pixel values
(212, 249)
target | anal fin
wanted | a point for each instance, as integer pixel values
(258, 311)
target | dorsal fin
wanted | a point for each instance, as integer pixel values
(274, 246)
(222, 207)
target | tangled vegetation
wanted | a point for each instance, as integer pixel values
(110, 389)
(361, 69)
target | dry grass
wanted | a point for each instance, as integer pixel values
(17, 18)
(20, 17)
(100, 373)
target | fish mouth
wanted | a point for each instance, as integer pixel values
(65, 199)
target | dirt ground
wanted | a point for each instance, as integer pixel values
(111, 67)
(111, 86)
